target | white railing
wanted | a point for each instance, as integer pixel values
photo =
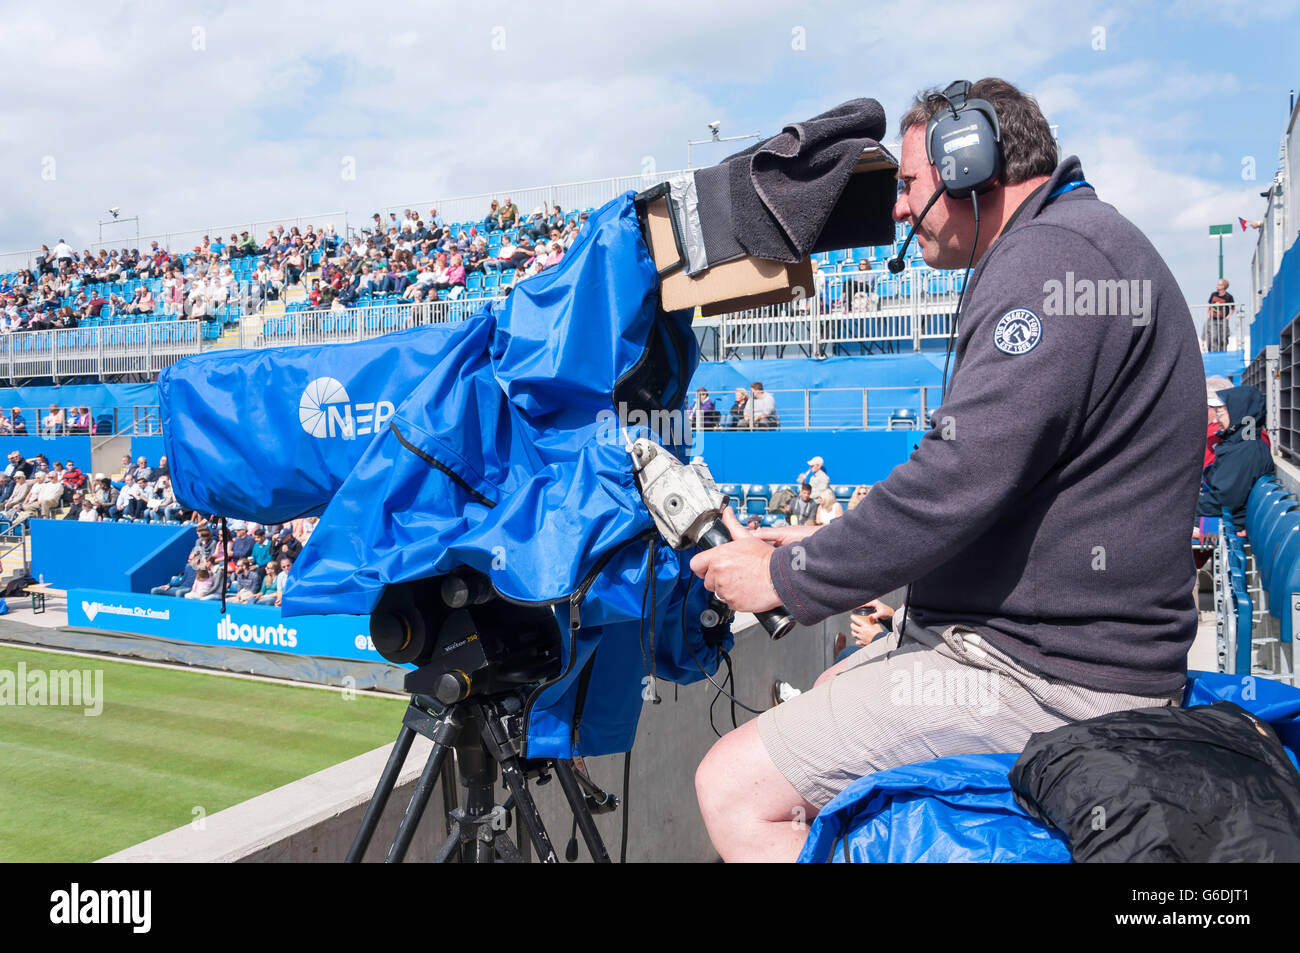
(858, 310)
(824, 408)
(1224, 327)
(324, 326)
(98, 352)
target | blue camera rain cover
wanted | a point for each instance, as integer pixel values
(497, 443)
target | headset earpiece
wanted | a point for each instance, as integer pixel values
(964, 142)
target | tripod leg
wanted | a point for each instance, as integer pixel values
(449, 849)
(526, 808)
(578, 801)
(383, 790)
(419, 801)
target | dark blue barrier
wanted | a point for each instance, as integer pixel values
(55, 448)
(779, 456)
(151, 448)
(127, 557)
(98, 396)
(201, 622)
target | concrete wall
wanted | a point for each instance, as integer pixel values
(314, 819)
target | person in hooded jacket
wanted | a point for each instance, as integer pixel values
(1240, 457)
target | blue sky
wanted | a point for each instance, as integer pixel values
(220, 113)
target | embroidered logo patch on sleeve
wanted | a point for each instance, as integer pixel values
(1018, 332)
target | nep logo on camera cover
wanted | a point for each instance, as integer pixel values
(325, 411)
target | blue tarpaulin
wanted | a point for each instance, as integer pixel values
(497, 443)
(961, 808)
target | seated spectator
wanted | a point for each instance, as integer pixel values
(803, 510)
(54, 420)
(269, 594)
(704, 413)
(816, 476)
(73, 478)
(142, 472)
(248, 581)
(828, 508)
(50, 495)
(241, 546)
(740, 410)
(761, 411)
(286, 546)
(18, 424)
(159, 499)
(6, 487)
(859, 494)
(17, 496)
(1240, 456)
(85, 511)
(261, 551)
(162, 470)
(130, 501)
(206, 543)
(204, 582)
(17, 463)
(32, 504)
(102, 495)
(181, 583)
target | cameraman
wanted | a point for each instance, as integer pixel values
(1041, 524)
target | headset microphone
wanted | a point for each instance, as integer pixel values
(896, 263)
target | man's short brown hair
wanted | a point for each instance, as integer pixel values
(1028, 149)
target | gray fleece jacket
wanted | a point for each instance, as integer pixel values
(1049, 506)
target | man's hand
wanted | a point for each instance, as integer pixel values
(737, 573)
(784, 535)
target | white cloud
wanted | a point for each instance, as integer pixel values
(230, 113)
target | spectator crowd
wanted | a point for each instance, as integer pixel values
(66, 287)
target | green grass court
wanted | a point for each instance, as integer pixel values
(76, 788)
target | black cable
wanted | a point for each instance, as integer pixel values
(731, 680)
(952, 336)
(627, 784)
(695, 658)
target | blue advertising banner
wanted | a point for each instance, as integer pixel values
(242, 626)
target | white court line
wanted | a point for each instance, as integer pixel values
(200, 670)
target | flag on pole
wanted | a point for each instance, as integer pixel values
(1244, 223)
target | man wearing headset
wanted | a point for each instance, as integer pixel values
(1041, 523)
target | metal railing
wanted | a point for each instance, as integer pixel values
(326, 326)
(822, 408)
(98, 352)
(1224, 327)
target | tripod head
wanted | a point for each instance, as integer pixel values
(464, 639)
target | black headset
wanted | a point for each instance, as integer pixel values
(964, 142)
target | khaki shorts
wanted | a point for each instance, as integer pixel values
(938, 692)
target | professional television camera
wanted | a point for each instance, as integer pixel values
(474, 500)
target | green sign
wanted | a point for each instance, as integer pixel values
(1220, 229)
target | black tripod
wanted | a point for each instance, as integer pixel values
(484, 732)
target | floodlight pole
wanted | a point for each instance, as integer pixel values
(120, 221)
(700, 142)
